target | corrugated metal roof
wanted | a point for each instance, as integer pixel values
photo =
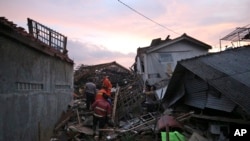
(195, 85)
(195, 92)
(220, 103)
(227, 71)
(196, 99)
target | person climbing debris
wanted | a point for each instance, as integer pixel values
(102, 114)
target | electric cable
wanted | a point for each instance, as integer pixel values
(147, 17)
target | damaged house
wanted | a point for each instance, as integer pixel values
(76, 123)
(216, 87)
(118, 74)
(157, 62)
(130, 85)
(36, 82)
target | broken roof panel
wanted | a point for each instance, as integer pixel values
(226, 71)
(223, 103)
(234, 63)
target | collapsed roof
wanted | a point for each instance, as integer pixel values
(116, 72)
(228, 72)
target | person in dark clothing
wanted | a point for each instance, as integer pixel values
(90, 92)
(150, 98)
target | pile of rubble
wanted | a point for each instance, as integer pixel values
(131, 119)
(76, 125)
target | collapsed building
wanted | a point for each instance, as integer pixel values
(156, 63)
(129, 112)
(205, 98)
(116, 72)
(128, 85)
(127, 100)
(216, 88)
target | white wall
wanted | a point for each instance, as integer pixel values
(173, 53)
(180, 51)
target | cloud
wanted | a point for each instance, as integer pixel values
(100, 29)
(92, 54)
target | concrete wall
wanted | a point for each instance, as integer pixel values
(35, 89)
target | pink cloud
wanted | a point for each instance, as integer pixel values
(111, 28)
(90, 54)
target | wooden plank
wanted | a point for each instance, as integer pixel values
(64, 119)
(78, 117)
(115, 103)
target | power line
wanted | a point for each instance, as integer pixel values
(147, 17)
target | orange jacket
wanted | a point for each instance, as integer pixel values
(101, 108)
(99, 94)
(107, 85)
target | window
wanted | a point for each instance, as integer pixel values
(165, 57)
(28, 86)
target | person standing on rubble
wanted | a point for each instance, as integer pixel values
(90, 92)
(102, 113)
(100, 93)
(150, 98)
(107, 85)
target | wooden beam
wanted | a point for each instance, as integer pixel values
(115, 103)
(64, 119)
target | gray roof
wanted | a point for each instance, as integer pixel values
(158, 43)
(183, 37)
(227, 71)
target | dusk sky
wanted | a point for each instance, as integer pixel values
(102, 31)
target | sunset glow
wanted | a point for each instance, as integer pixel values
(101, 31)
